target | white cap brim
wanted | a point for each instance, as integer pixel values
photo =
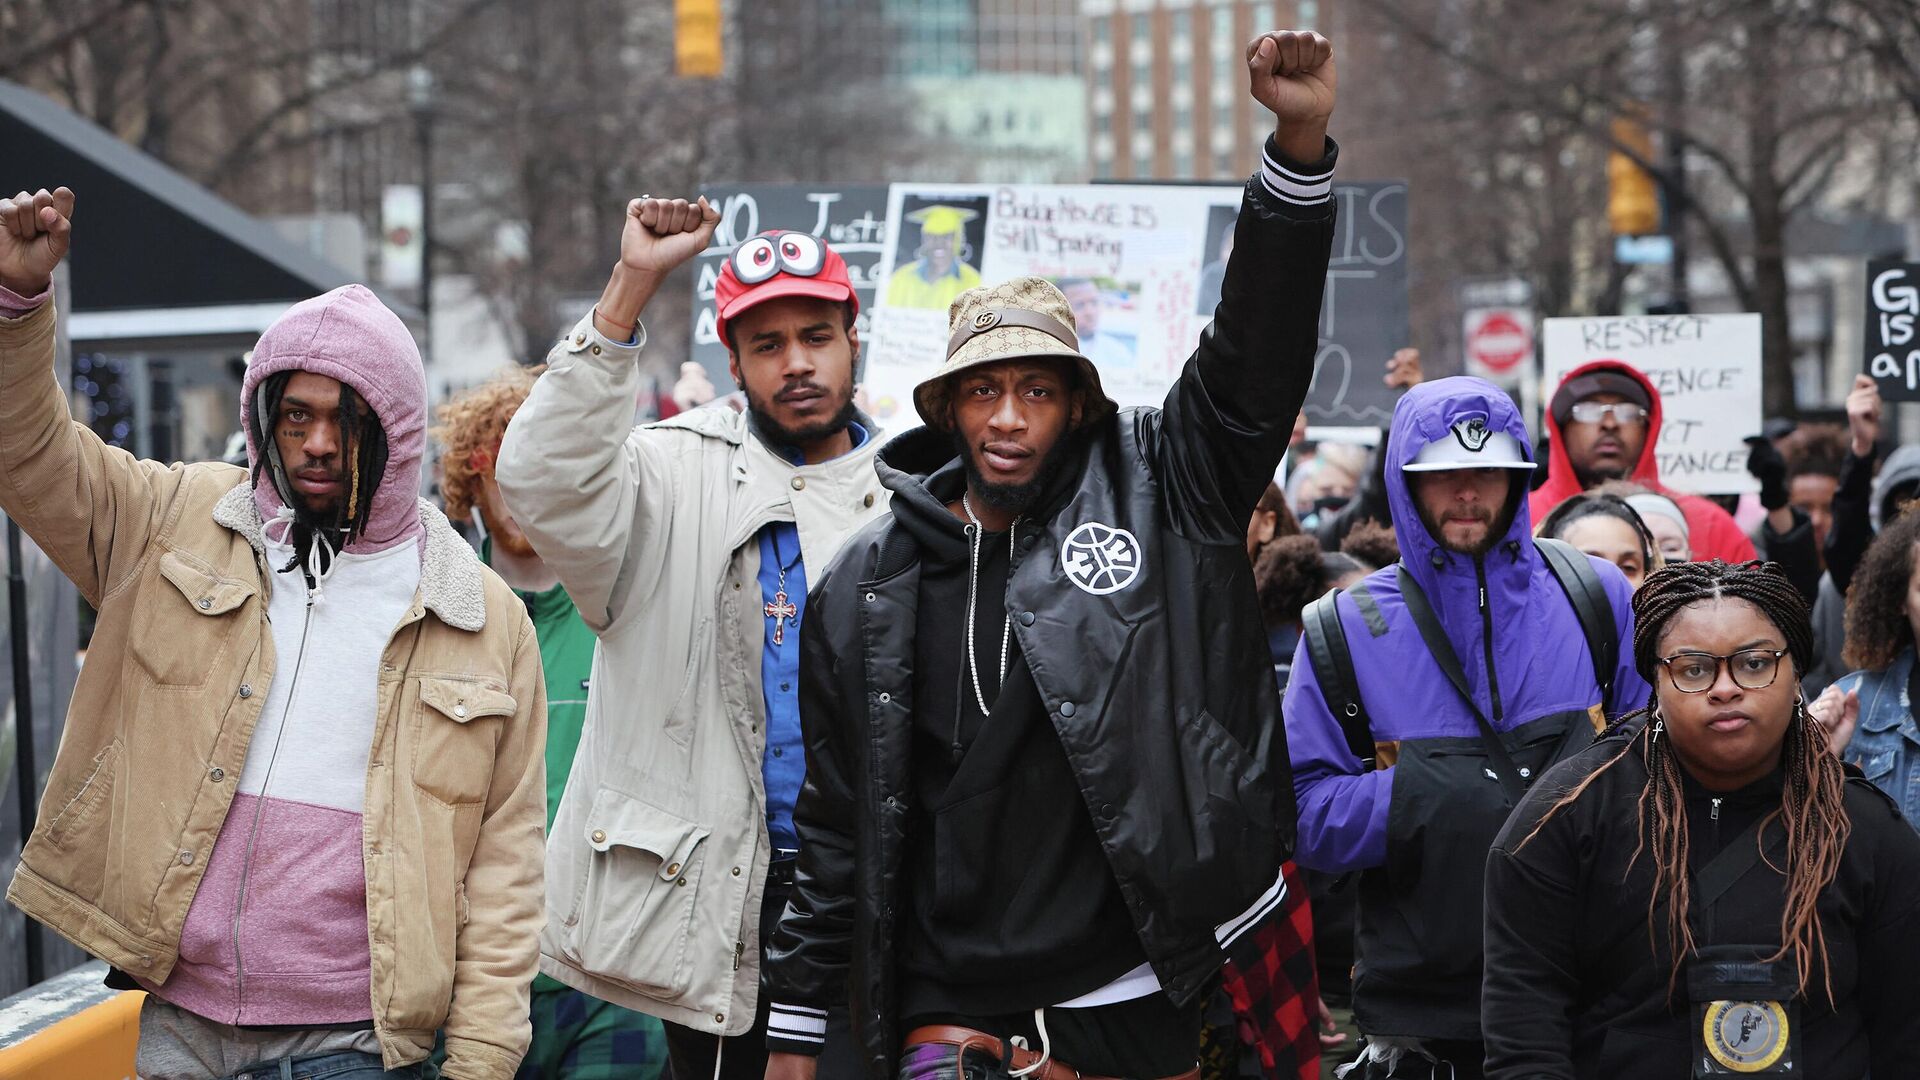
(1500, 451)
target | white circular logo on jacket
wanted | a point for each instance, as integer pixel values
(1100, 558)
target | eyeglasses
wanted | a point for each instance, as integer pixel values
(1696, 672)
(1592, 412)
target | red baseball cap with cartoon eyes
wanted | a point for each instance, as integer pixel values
(776, 264)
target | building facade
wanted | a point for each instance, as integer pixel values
(1166, 84)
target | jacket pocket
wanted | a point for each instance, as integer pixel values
(634, 915)
(185, 621)
(79, 808)
(455, 731)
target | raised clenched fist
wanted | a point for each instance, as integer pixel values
(1292, 73)
(35, 231)
(662, 234)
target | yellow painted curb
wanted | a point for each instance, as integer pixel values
(96, 1043)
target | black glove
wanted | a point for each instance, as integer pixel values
(1766, 465)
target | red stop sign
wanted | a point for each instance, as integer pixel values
(1499, 342)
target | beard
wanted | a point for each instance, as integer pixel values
(1014, 498)
(1497, 526)
(1595, 475)
(806, 433)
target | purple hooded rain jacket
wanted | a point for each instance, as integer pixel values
(1419, 825)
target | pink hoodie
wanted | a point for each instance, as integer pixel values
(348, 335)
(302, 921)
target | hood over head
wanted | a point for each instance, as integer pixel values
(1902, 468)
(350, 336)
(1431, 412)
(1591, 378)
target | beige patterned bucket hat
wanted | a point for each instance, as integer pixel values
(1020, 318)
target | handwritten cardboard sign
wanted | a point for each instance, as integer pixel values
(1706, 369)
(1142, 266)
(1893, 328)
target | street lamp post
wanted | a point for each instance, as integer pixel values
(420, 102)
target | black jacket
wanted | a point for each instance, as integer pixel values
(1575, 989)
(1156, 677)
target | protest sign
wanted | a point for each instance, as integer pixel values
(1893, 317)
(1706, 369)
(1363, 318)
(1142, 266)
(851, 217)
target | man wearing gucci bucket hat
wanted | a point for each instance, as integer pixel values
(1046, 781)
(687, 546)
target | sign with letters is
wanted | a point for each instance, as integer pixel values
(1893, 328)
(1706, 369)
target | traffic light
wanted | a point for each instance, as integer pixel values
(697, 33)
(1633, 203)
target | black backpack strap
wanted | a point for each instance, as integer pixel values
(1576, 576)
(1333, 666)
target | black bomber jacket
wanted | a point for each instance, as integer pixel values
(1134, 606)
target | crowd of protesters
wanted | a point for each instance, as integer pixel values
(1048, 738)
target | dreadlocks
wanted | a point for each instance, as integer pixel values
(366, 443)
(1812, 801)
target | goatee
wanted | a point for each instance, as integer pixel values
(1015, 498)
(801, 436)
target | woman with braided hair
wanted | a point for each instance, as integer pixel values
(1704, 892)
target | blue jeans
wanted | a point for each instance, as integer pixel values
(345, 1066)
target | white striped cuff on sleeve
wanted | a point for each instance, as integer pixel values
(796, 1023)
(1292, 186)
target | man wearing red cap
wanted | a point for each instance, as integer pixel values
(687, 546)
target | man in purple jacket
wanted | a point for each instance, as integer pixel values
(1503, 656)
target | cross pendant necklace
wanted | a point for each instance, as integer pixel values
(780, 609)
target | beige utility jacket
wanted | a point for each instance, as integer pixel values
(173, 685)
(658, 855)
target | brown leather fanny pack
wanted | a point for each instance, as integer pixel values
(1014, 1058)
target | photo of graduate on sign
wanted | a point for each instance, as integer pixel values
(944, 239)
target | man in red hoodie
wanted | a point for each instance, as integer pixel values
(1603, 424)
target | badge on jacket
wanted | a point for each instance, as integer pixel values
(1100, 558)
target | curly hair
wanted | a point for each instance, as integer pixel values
(1293, 572)
(476, 420)
(1373, 543)
(1877, 623)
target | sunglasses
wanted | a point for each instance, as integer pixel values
(1592, 412)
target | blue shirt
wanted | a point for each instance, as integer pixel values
(785, 764)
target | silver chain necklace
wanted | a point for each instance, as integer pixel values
(973, 593)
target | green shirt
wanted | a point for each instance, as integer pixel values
(566, 654)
